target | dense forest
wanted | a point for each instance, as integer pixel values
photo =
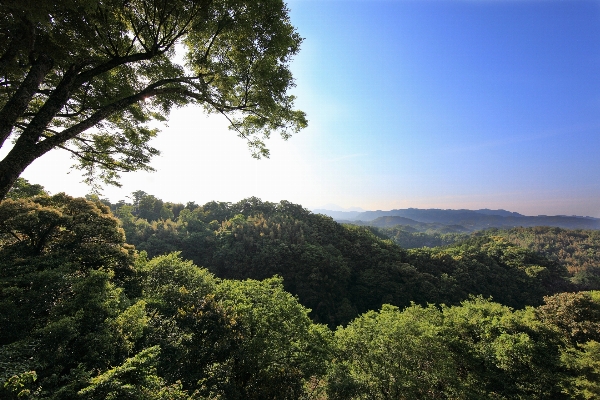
(152, 300)
(577, 250)
(338, 271)
(256, 300)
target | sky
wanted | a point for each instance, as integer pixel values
(428, 104)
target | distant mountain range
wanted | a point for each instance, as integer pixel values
(339, 215)
(459, 220)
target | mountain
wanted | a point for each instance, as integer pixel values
(412, 225)
(338, 215)
(472, 220)
(503, 213)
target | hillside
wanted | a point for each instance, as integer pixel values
(338, 271)
(411, 225)
(577, 250)
(409, 238)
(469, 219)
(85, 315)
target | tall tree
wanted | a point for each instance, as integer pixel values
(89, 76)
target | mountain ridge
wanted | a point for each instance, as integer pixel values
(470, 219)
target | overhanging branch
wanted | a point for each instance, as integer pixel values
(18, 102)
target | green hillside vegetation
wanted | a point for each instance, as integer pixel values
(412, 225)
(409, 237)
(153, 300)
(85, 315)
(577, 250)
(338, 271)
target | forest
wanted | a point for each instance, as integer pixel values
(256, 300)
(153, 300)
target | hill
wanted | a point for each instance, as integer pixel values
(338, 271)
(411, 225)
(472, 220)
(577, 250)
(84, 315)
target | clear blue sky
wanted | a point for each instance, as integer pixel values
(445, 104)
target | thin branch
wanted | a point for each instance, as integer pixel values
(217, 106)
(111, 167)
(74, 114)
(212, 39)
(16, 236)
(234, 126)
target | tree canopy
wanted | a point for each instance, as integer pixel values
(90, 76)
(84, 315)
(338, 271)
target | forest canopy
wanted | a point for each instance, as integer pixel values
(85, 315)
(150, 299)
(338, 271)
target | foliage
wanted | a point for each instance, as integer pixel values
(409, 239)
(230, 339)
(280, 347)
(501, 353)
(478, 350)
(339, 271)
(90, 76)
(22, 189)
(84, 316)
(577, 250)
(575, 315)
(585, 384)
(49, 247)
(491, 266)
(393, 354)
(64, 264)
(135, 379)
(17, 385)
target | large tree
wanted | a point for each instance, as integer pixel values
(89, 76)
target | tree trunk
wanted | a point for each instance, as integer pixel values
(8, 176)
(13, 165)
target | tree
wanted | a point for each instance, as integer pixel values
(393, 354)
(89, 76)
(278, 348)
(135, 379)
(22, 189)
(575, 315)
(64, 311)
(503, 354)
(585, 384)
(229, 339)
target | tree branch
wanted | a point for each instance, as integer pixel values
(108, 166)
(18, 103)
(106, 111)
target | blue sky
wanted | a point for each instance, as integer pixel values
(445, 104)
